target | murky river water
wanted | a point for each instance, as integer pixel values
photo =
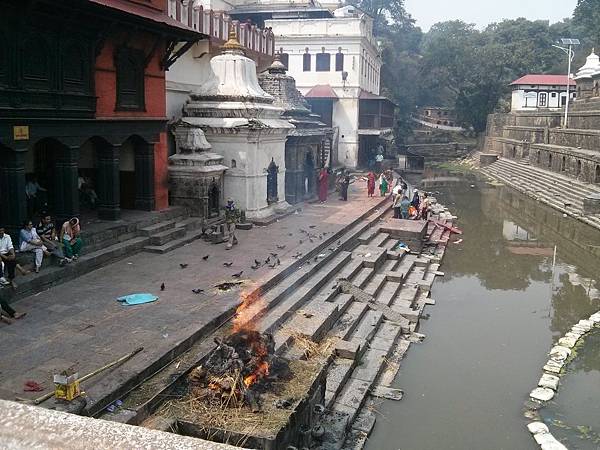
(499, 308)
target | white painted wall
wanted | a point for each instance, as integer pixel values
(529, 97)
(354, 35)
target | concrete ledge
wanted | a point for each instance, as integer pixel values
(24, 427)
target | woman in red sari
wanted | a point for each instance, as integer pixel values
(323, 184)
(371, 184)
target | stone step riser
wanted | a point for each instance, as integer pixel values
(167, 236)
(157, 228)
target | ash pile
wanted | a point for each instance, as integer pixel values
(241, 368)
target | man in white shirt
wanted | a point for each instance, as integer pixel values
(7, 258)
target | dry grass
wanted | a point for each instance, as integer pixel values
(240, 419)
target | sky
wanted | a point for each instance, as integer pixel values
(483, 12)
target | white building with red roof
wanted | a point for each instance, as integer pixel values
(540, 92)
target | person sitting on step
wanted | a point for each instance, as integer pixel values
(47, 233)
(8, 260)
(69, 236)
(31, 242)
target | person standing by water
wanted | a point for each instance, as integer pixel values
(416, 201)
(425, 205)
(397, 195)
(371, 184)
(323, 184)
(383, 185)
(404, 207)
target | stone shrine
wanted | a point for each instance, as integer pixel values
(308, 146)
(195, 173)
(243, 125)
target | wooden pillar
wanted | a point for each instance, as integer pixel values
(144, 176)
(13, 204)
(109, 183)
(66, 189)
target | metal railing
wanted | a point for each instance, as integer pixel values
(217, 25)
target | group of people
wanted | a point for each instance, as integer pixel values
(405, 206)
(42, 241)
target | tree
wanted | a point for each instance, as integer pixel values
(384, 13)
(587, 15)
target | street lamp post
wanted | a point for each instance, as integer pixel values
(570, 55)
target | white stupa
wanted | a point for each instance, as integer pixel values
(590, 68)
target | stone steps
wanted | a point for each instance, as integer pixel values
(175, 243)
(157, 228)
(166, 236)
(291, 303)
(363, 277)
(551, 179)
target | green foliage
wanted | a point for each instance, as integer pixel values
(587, 16)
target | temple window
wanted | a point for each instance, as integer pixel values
(339, 60)
(129, 64)
(323, 62)
(306, 61)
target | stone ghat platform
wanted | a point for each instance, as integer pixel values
(357, 306)
(565, 194)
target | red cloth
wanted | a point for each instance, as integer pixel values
(323, 184)
(371, 183)
(32, 386)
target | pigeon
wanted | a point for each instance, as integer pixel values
(238, 275)
(272, 266)
(255, 267)
(278, 262)
(183, 266)
(268, 260)
(290, 234)
(301, 241)
(274, 255)
(205, 258)
(280, 247)
(257, 263)
(228, 264)
(303, 231)
(316, 258)
(312, 226)
(198, 291)
(162, 287)
(311, 241)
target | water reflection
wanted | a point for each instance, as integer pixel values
(503, 301)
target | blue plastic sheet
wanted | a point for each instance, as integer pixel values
(137, 299)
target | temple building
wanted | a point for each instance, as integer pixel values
(308, 145)
(243, 126)
(85, 110)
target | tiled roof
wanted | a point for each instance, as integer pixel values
(552, 80)
(321, 91)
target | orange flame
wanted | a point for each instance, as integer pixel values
(261, 372)
(247, 311)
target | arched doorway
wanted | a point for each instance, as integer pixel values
(214, 199)
(272, 172)
(309, 176)
(127, 174)
(40, 177)
(87, 173)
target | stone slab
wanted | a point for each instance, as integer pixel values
(372, 257)
(371, 365)
(404, 229)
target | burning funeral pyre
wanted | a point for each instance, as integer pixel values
(238, 370)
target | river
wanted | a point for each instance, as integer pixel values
(500, 307)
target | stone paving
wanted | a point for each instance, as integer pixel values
(80, 325)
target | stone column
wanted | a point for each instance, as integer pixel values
(66, 189)
(13, 203)
(144, 177)
(109, 183)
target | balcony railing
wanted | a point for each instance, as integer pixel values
(374, 121)
(217, 25)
